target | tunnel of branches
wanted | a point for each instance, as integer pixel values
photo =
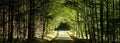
(97, 21)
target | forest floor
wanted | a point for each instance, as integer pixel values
(47, 38)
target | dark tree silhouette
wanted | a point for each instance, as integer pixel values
(31, 31)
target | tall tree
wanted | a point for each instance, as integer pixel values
(113, 16)
(31, 31)
(107, 19)
(3, 24)
(101, 19)
(11, 15)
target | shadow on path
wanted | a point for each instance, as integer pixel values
(62, 41)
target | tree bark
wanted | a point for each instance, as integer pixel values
(31, 30)
(11, 15)
(101, 19)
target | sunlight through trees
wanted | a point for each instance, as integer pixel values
(30, 21)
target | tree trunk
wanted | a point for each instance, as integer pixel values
(31, 31)
(3, 25)
(107, 18)
(101, 19)
(11, 15)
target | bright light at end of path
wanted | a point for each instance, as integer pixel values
(63, 33)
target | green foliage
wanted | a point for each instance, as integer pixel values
(87, 18)
(61, 13)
